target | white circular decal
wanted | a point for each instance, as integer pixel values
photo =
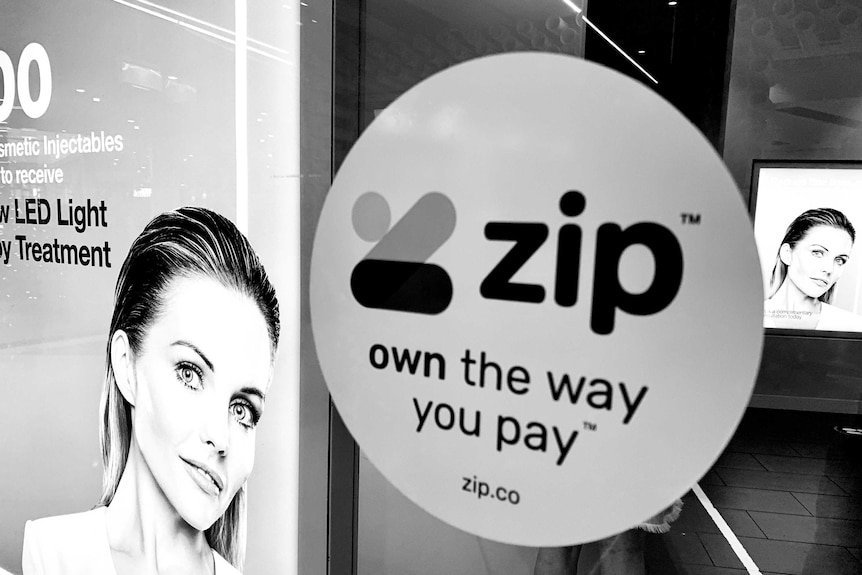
(536, 299)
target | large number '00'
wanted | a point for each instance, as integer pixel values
(33, 53)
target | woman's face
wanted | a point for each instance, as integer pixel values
(817, 260)
(201, 377)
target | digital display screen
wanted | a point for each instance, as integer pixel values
(806, 217)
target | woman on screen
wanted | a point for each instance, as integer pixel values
(809, 263)
(189, 362)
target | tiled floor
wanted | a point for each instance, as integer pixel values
(789, 487)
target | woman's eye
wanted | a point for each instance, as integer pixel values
(840, 261)
(244, 413)
(818, 253)
(189, 376)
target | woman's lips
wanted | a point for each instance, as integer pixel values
(820, 282)
(208, 480)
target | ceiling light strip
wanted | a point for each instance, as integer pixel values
(185, 16)
(270, 46)
(207, 32)
(200, 30)
(147, 11)
(210, 25)
(268, 55)
(607, 39)
(618, 49)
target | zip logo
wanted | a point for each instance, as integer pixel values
(609, 294)
(395, 274)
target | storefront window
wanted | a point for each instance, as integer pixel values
(113, 112)
(399, 44)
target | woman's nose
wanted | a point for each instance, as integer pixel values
(216, 429)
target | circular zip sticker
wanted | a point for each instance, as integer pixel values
(536, 299)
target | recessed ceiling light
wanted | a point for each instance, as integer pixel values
(80, 90)
(641, 51)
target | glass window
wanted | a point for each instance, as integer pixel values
(113, 112)
(386, 48)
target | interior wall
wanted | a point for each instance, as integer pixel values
(795, 89)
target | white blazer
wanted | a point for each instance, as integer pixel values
(77, 544)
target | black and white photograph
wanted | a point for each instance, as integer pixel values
(804, 225)
(606, 317)
(184, 391)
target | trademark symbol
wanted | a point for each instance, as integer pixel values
(690, 219)
(590, 426)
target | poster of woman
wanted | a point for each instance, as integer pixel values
(805, 232)
(184, 391)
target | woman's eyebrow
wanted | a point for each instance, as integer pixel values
(197, 351)
(824, 248)
(254, 391)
